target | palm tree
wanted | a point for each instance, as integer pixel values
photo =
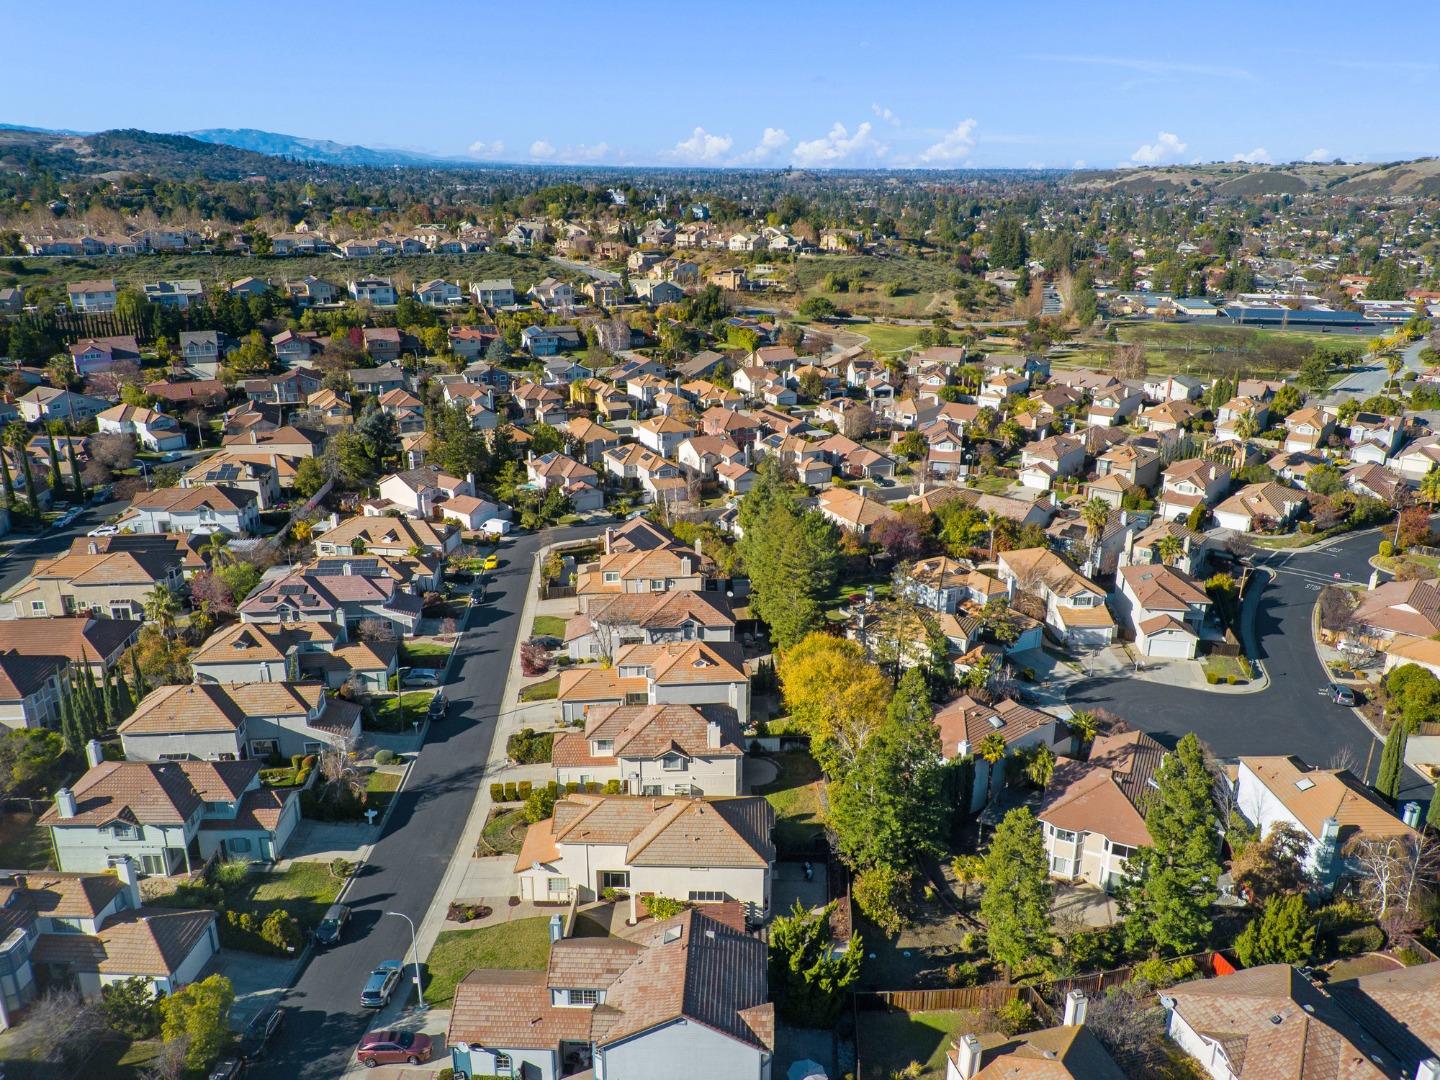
(1169, 549)
(1095, 513)
(1084, 725)
(1246, 426)
(1393, 363)
(968, 870)
(162, 607)
(1040, 766)
(991, 748)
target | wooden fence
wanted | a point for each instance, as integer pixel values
(988, 996)
(1097, 982)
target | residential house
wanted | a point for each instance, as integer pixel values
(655, 750)
(735, 477)
(1069, 1052)
(656, 293)
(175, 294)
(692, 987)
(405, 408)
(493, 292)
(1373, 438)
(708, 850)
(944, 584)
(203, 350)
(663, 434)
(169, 816)
(1170, 416)
(95, 296)
(685, 672)
(1190, 483)
(383, 343)
(199, 510)
(1137, 465)
(591, 439)
(963, 723)
(1375, 482)
(549, 340)
(469, 343)
(211, 721)
(292, 387)
(1165, 608)
(580, 483)
(1074, 606)
(1307, 430)
(348, 590)
(1093, 812)
(608, 621)
(1057, 456)
(30, 689)
(658, 569)
(1413, 462)
(237, 474)
(439, 293)
(46, 403)
(272, 652)
(854, 510)
(113, 583)
(311, 291)
(295, 347)
(80, 641)
(1258, 507)
(153, 430)
(376, 291)
(93, 355)
(1114, 405)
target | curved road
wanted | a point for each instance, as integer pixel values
(1288, 716)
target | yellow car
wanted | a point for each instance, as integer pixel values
(492, 562)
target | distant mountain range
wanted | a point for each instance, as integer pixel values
(321, 150)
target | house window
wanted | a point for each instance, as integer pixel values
(657, 584)
(37, 607)
(708, 896)
(1121, 851)
(614, 879)
(557, 886)
(672, 763)
(1060, 867)
(650, 789)
(122, 831)
(314, 747)
(502, 1062)
(1062, 834)
(153, 864)
(584, 997)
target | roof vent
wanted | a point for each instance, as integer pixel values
(1277, 1019)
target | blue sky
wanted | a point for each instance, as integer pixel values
(834, 84)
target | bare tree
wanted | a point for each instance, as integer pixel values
(115, 452)
(857, 421)
(169, 1064)
(338, 774)
(1380, 865)
(61, 1029)
(375, 631)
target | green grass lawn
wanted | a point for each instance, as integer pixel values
(381, 786)
(548, 626)
(426, 654)
(395, 713)
(23, 844)
(1226, 668)
(305, 890)
(851, 585)
(522, 945)
(505, 832)
(795, 797)
(889, 1041)
(548, 690)
(888, 340)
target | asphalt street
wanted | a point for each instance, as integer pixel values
(21, 554)
(1289, 716)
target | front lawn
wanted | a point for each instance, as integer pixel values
(548, 690)
(505, 831)
(1226, 669)
(548, 626)
(23, 844)
(794, 795)
(381, 787)
(522, 945)
(305, 890)
(396, 712)
(425, 654)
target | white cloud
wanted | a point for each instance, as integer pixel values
(1258, 156)
(771, 139)
(585, 152)
(541, 149)
(835, 147)
(702, 147)
(1320, 154)
(954, 146)
(885, 113)
(481, 149)
(1166, 145)
(1079, 163)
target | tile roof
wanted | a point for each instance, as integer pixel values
(1109, 793)
(1312, 795)
(650, 732)
(146, 941)
(1400, 1009)
(1163, 588)
(1058, 1053)
(151, 793)
(1405, 607)
(61, 895)
(22, 676)
(965, 719)
(661, 831)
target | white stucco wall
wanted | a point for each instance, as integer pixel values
(654, 1054)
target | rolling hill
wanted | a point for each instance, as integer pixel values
(321, 150)
(1237, 180)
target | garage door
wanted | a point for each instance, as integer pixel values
(1089, 637)
(1170, 646)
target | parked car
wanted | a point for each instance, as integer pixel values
(67, 518)
(104, 530)
(259, 1032)
(438, 708)
(173, 455)
(332, 926)
(459, 577)
(492, 562)
(1340, 695)
(380, 984)
(393, 1048)
(421, 677)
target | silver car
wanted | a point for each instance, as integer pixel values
(380, 986)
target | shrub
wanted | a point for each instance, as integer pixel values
(512, 791)
(296, 760)
(281, 930)
(612, 787)
(593, 787)
(341, 868)
(572, 788)
(1156, 974)
(1015, 1017)
(1386, 549)
(458, 912)
(1409, 956)
(610, 895)
(524, 788)
(1362, 939)
(540, 805)
(879, 893)
(386, 757)
(1211, 678)
(131, 1008)
(229, 875)
(497, 791)
(662, 907)
(964, 973)
(527, 747)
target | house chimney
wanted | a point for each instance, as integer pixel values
(1429, 1069)
(557, 928)
(65, 802)
(634, 908)
(712, 734)
(967, 1056)
(129, 877)
(93, 548)
(347, 569)
(1075, 1005)
(94, 753)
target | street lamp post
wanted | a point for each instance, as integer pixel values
(414, 954)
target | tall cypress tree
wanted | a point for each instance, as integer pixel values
(29, 483)
(138, 676)
(5, 484)
(76, 482)
(124, 703)
(107, 697)
(1392, 761)
(54, 461)
(69, 729)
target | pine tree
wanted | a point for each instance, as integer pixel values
(1171, 885)
(1283, 933)
(1392, 761)
(1016, 904)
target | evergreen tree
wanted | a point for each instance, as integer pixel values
(497, 352)
(55, 479)
(30, 494)
(1283, 933)
(69, 727)
(1392, 761)
(807, 976)
(1015, 906)
(1167, 895)
(137, 677)
(124, 703)
(77, 483)
(107, 698)
(6, 487)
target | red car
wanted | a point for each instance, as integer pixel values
(393, 1048)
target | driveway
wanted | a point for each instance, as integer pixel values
(1287, 717)
(790, 885)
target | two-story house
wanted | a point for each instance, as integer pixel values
(378, 292)
(1307, 429)
(608, 621)
(1257, 507)
(211, 721)
(963, 723)
(105, 583)
(169, 816)
(202, 509)
(96, 295)
(1057, 456)
(655, 750)
(699, 849)
(1165, 609)
(153, 430)
(493, 292)
(689, 673)
(1075, 609)
(943, 584)
(1190, 483)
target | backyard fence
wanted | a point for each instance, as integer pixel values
(989, 996)
(1209, 964)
